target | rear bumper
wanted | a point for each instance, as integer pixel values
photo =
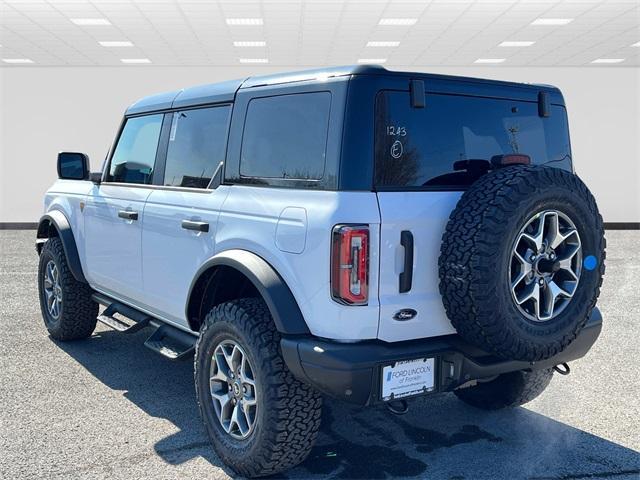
(352, 371)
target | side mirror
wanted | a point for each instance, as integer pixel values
(73, 166)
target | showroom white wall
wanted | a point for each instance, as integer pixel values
(47, 109)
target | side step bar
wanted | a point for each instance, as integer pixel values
(166, 340)
(171, 343)
(141, 320)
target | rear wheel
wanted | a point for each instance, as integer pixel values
(260, 419)
(507, 390)
(68, 311)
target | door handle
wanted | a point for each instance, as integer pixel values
(197, 226)
(128, 215)
(406, 277)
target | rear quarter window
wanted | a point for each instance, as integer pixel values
(285, 137)
(451, 142)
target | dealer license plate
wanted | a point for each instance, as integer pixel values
(410, 377)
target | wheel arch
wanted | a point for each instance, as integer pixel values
(56, 224)
(233, 274)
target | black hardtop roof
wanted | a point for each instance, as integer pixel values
(225, 91)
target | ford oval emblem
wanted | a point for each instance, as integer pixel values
(405, 314)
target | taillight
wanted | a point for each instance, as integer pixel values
(350, 264)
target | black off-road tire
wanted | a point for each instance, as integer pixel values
(476, 251)
(78, 316)
(288, 412)
(507, 390)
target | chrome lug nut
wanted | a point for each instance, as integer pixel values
(541, 282)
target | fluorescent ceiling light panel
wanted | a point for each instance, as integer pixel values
(90, 21)
(608, 60)
(245, 21)
(637, 44)
(383, 44)
(250, 44)
(552, 21)
(135, 60)
(490, 60)
(116, 44)
(372, 60)
(397, 21)
(254, 60)
(516, 44)
(17, 60)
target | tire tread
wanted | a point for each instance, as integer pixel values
(294, 407)
(79, 312)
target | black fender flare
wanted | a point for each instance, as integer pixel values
(59, 221)
(282, 305)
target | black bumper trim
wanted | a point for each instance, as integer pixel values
(351, 371)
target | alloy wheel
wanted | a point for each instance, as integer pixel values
(233, 389)
(545, 266)
(53, 290)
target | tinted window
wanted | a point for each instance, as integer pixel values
(135, 154)
(286, 136)
(196, 146)
(452, 141)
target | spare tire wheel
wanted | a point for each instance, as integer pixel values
(521, 261)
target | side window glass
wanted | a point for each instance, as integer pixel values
(135, 155)
(197, 145)
(285, 136)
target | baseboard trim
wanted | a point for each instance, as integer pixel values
(622, 225)
(18, 225)
(34, 225)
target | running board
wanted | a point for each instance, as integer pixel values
(172, 343)
(140, 319)
(166, 340)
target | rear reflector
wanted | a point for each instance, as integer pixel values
(350, 264)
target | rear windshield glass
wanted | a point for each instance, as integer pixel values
(454, 139)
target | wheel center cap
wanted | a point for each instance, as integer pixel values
(546, 266)
(236, 389)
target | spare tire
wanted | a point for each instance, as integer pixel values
(521, 261)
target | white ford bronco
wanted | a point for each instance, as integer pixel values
(354, 232)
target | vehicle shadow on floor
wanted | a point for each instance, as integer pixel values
(440, 437)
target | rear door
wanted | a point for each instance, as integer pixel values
(424, 159)
(181, 214)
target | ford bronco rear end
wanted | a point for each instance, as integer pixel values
(366, 234)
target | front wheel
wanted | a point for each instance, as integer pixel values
(68, 311)
(260, 419)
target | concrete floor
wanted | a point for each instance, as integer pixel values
(109, 408)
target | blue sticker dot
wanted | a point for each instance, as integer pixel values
(590, 262)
